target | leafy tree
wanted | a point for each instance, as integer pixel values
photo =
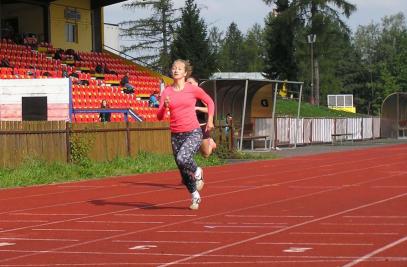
(151, 37)
(280, 46)
(215, 40)
(231, 52)
(191, 41)
(313, 15)
(254, 49)
(384, 51)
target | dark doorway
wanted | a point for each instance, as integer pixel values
(34, 108)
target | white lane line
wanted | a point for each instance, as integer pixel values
(390, 186)
(38, 239)
(123, 222)
(49, 214)
(243, 226)
(204, 253)
(76, 230)
(366, 224)
(4, 244)
(312, 187)
(375, 252)
(315, 244)
(377, 217)
(80, 186)
(333, 233)
(165, 241)
(267, 216)
(206, 232)
(238, 223)
(23, 221)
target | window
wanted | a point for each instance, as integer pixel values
(71, 32)
(34, 108)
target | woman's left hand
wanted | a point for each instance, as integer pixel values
(209, 126)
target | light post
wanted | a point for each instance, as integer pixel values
(311, 40)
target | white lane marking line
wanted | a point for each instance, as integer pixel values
(80, 186)
(155, 215)
(239, 223)
(23, 221)
(165, 241)
(312, 187)
(267, 216)
(124, 222)
(206, 232)
(76, 230)
(38, 239)
(49, 214)
(243, 226)
(390, 186)
(3, 244)
(366, 224)
(315, 244)
(376, 217)
(296, 250)
(143, 247)
(377, 251)
(204, 253)
(338, 233)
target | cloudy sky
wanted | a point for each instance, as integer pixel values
(245, 13)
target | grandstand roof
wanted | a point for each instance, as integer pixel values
(94, 3)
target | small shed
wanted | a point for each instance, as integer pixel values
(393, 118)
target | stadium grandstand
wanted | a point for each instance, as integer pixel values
(44, 40)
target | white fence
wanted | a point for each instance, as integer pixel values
(317, 130)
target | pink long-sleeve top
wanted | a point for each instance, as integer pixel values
(182, 107)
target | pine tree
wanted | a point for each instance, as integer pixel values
(151, 37)
(231, 56)
(191, 42)
(280, 51)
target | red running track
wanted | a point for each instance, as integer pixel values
(337, 209)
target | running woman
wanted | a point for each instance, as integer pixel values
(179, 100)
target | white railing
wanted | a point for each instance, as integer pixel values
(317, 130)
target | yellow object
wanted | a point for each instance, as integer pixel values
(347, 109)
(283, 90)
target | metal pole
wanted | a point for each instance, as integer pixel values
(243, 115)
(311, 41)
(298, 117)
(312, 74)
(272, 140)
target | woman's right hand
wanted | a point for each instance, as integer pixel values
(167, 102)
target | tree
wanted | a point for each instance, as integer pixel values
(151, 37)
(231, 52)
(191, 41)
(280, 60)
(383, 49)
(254, 49)
(215, 40)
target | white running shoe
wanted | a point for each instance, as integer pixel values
(199, 179)
(195, 203)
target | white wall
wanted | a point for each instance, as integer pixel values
(12, 91)
(111, 37)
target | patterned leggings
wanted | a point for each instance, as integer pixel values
(184, 147)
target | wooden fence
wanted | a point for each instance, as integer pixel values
(50, 140)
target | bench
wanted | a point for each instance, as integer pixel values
(264, 138)
(341, 137)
